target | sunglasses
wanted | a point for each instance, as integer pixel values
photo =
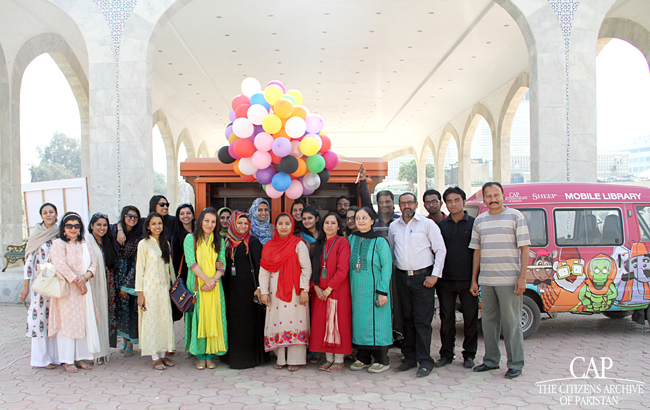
(131, 216)
(71, 226)
(163, 204)
(100, 215)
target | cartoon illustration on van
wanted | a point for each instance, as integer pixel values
(598, 292)
(635, 282)
(568, 275)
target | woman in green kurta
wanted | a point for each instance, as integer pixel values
(371, 266)
(205, 328)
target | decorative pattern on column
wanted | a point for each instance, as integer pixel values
(565, 11)
(116, 13)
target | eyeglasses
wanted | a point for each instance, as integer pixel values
(350, 218)
(71, 226)
(136, 217)
(163, 204)
(342, 205)
(435, 201)
(410, 203)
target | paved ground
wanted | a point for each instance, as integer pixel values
(131, 383)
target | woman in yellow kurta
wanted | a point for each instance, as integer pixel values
(205, 328)
(153, 276)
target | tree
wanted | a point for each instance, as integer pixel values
(61, 159)
(159, 183)
(408, 172)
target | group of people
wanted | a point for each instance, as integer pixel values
(297, 287)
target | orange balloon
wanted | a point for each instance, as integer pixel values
(232, 138)
(302, 168)
(248, 178)
(300, 111)
(283, 108)
(235, 167)
(281, 133)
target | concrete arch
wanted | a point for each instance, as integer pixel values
(160, 119)
(501, 144)
(628, 30)
(202, 152)
(401, 153)
(447, 133)
(185, 138)
(422, 168)
(480, 111)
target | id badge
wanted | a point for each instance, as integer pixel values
(233, 271)
(358, 267)
(323, 273)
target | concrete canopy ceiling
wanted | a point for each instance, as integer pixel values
(384, 75)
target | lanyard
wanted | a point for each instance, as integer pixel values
(324, 270)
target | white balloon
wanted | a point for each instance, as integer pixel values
(250, 86)
(311, 180)
(295, 127)
(256, 113)
(247, 168)
(242, 127)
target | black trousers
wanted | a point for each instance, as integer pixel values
(448, 290)
(365, 354)
(417, 303)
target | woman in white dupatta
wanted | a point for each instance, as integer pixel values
(37, 250)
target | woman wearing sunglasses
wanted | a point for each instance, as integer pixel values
(44, 350)
(160, 205)
(126, 306)
(72, 318)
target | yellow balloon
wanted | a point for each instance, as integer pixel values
(273, 93)
(272, 123)
(297, 95)
(232, 138)
(309, 146)
(300, 111)
(283, 108)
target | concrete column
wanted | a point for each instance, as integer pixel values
(421, 165)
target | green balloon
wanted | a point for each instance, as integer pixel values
(315, 163)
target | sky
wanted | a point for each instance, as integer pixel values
(47, 104)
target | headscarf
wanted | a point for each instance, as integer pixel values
(223, 231)
(40, 235)
(279, 255)
(260, 229)
(233, 237)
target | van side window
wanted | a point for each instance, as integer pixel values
(536, 219)
(582, 227)
(643, 214)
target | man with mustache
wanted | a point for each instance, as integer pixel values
(433, 203)
(500, 240)
(419, 256)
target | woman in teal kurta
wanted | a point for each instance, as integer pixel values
(205, 328)
(371, 267)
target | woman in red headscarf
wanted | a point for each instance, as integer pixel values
(284, 282)
(244, 316)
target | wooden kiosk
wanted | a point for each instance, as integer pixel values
(216, 184)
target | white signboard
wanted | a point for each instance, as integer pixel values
(65, 194)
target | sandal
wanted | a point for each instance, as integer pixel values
(314, 359)
(278, 366)
(158, 365)
(49, 366)
(325, 366)
(70, 368)
(167, 362)
(83, 365)
(336, 367)
(128, 352)
(294, 368)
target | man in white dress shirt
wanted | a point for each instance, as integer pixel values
(419, 256)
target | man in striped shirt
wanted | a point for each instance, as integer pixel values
(500, 240)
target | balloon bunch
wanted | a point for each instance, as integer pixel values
(273, 139)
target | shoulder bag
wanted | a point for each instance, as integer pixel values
(181, 296)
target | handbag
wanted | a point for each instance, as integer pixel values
(181, 296)
(49, 283)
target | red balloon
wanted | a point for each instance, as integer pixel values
(274, 158)
(327, 144)
(242, 110)
(244, 148)
(239, 100)
(248, 178)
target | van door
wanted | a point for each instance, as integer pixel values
(634, 288)
(587, 257)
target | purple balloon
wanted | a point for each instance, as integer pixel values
(306, 192)
(232, 116)
(265, 176)
(281, 147)
(231, 151)
(228, 131)
(257, 129)
(315, 123)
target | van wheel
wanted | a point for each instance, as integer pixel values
(530, 317)
(617, 314)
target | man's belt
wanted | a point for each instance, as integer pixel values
(424, 271)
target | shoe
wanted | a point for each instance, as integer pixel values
(512, 373)
(484, 367)
(378, 368)
(200, 365)
(444, 361)
(423, 372)
(468, 363)
(404, 367)
(210, 364)
(358, 365)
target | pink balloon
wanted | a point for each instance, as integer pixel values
(331, 160)
(279, 84)
(263, 142)
(272, 193)
(295, 189)
(231, 151)
(314, 123)
(261, 159)
(295, 149)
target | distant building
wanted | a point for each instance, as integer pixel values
(639, 154)
(613, 165)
